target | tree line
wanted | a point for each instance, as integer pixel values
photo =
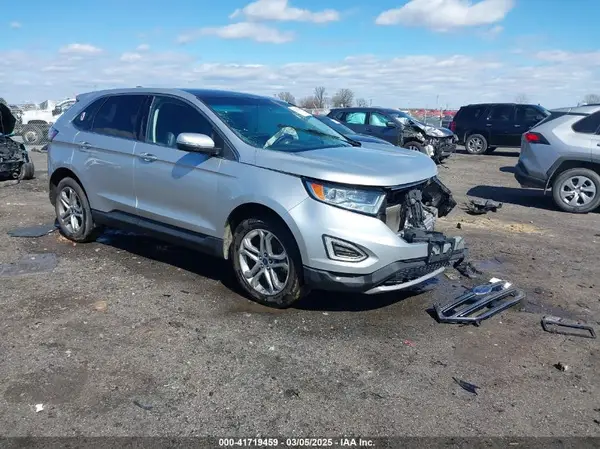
(320, 100)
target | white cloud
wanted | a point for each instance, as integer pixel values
(81, 49)
(444, 15)
(555, 78)
(240, 30)
(280, 10)
(130, 57)
(15, 25)
(143, 47)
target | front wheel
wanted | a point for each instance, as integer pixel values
(476, 144)
(415, 146)
(266, 262)
(73, 212)
(577, 190)
(27, 171)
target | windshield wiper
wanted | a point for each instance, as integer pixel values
(316, 132)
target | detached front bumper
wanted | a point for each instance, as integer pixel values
(398, 275)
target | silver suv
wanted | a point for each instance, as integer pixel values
(562, 153)
(289, 201)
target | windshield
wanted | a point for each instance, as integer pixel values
(335, 125)
(272, 124)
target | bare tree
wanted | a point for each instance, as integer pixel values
(343, 98)
(591, 99)
(287, 96)
(362, 103)
(320, 98)
(521, 98)
(307, 102)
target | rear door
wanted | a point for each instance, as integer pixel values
(104, 146)
(500, 125)
(377, 126)
(174, 186)
(526, 118)
(588, 128)
(355, 120)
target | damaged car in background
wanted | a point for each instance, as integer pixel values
(398, 128)
(14, 158)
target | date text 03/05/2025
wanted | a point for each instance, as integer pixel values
(295, 442)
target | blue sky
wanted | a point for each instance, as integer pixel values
(396, 52)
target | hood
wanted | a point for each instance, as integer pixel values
(369, 165)
(433, 131)
(7, 120)
(365, 138)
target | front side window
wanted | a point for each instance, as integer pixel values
(272, 124)
(502, 113)
(378, 119)
(588, 125)
(170, 117)
(119, 116)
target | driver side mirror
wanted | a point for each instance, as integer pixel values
(198, 143)
(391, 124)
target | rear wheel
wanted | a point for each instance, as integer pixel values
(266, 262)
(32, 135)
(476, 144)
(73, 212)
(577, 190)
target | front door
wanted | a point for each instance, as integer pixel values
(500, 125)
(378, 127)
(104, 146)
(174, 186)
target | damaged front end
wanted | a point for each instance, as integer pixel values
(14, 157)
(438, 143)
(411, 212)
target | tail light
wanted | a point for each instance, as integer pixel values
(453, 126)
(52, 132)
(533, 137)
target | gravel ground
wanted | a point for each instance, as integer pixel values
(128, 336)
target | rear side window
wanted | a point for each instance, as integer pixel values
(588, 125)
(84, 120)
(356, 118)
(120, 116)
(502, 113)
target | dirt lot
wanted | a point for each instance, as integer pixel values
(128, 336)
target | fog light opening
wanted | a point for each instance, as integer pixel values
(342, 250)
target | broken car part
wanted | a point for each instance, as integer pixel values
(468, 270)
(563, 326)
(34, 231)
(471, 388)
(14, 158)
(478, 206)
(480, 303)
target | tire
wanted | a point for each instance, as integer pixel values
(490, 150)
(86, 231)
(247, 235)
(415, 146)
(476, 144)
(32, 135)
(27, 171)
(586, 200)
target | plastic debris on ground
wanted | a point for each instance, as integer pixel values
(468, 270)
(471, 388)
(33, 231)
(39, 408)
(564, 326)
(480, 303)
(478, 206)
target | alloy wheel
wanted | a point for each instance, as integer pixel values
(578, 191)
(264, 262)
(70, 210)
(476, 145)
(413, 148)
(30, 137)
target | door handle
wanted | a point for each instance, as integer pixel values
(517, 126)
(84, 146)
(488, 124)
(147, 157)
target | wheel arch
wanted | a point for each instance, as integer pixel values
(258, 210)
(564, 164)
(57, 176)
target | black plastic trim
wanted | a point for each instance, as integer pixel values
(344, 282)
(526, 180)
(552, 170)
(168, 233)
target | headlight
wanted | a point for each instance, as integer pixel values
(358, 200)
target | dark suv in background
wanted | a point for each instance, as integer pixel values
(484, 127)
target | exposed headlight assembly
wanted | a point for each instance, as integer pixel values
(366, 201)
